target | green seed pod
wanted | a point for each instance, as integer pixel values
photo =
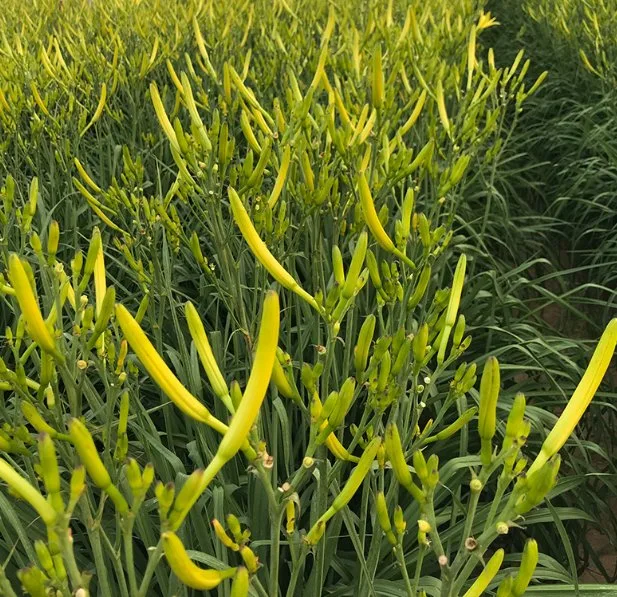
(355, 267)
(489, 394)
(337, 265)
(383, 517)
(529, 561)
(420, 289)
(362, 348)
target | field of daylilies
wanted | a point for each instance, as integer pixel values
(307, 297)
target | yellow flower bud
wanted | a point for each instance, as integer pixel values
(486, 576)
(189, 573)
(529, 561)
(581, 398)
(27, 492)
(240, 585)
(37, 328)
(261, 251)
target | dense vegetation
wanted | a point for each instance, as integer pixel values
(316, 291)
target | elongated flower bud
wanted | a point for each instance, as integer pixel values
(337, 265)
(489, 393)
(581, 398)
(347, 492)
(89, 456)
(383, 518)
(240, 585)
(453, 304)
(162, 374)
(280, 179)
(377, 88)
(37, 328)
(223, 537)
(27, 492)
(50, 471)
(188, 572)
(198, 334)
(365, 338)
(420, 289)
(486, 576)
(529, 561)
(261, 251)
(36, 420)
(451, 429)
(538, 484)
(257, 384)
(103, 317)
(355, 267)
(394, 450)
(372, 221)
(236, 435)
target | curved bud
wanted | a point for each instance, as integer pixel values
(261, 251)
(37, 328)
(581, 398)
(486, 576)
(189, 573)
(529, 561)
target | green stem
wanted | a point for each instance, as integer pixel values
(127, 536)
(5, 586)
(418, 572)
(398, 552)
(153, 561)
(275, 547)
(297, 569)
